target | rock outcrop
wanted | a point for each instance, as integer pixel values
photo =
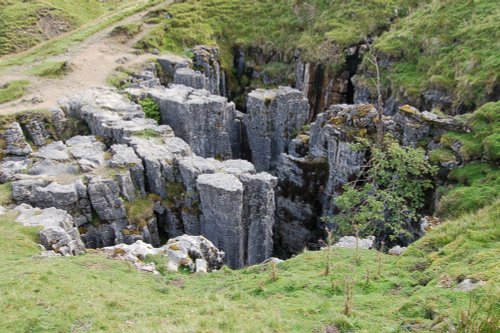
(195, 253)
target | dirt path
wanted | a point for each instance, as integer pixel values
(92, 62)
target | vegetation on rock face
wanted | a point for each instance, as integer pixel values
(388, 195)
(417, 291)
(151, 108)
(451, 47)
(478, 182)
(13, 90)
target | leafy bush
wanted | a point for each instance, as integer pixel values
(388, 194)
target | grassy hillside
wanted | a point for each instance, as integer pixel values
(452, 46)
(321, 28)
(24, 24)
(92, 294)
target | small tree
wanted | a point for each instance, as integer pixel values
(388, 193)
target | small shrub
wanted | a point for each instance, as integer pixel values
(151, 108)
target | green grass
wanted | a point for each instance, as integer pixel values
(61, 44)
(52, 69)
(452, 46)
(140, 210)
(94, 294)
(13, 90)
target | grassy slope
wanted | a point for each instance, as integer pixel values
(449, 45)
(275, 25)
(19, 19)
(93, 294)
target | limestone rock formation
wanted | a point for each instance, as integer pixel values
(273, 118)
(349, 242)
(169, 64)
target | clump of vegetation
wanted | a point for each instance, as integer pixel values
(388, 194)
(452, 48)
(5, 194)
(13, 90)
(118, 79)
(127, 30)
(151, 108)
(147, 133)
(52, 69)
(140, 211)
(477, 182)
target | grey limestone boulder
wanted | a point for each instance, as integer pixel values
(58, 234)
(169, 65)
(125, 157)
(194, 252)
(258, 211)
(88, 151)
(207, 60)
(56, 151)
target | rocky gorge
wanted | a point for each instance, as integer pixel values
(254, 183)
